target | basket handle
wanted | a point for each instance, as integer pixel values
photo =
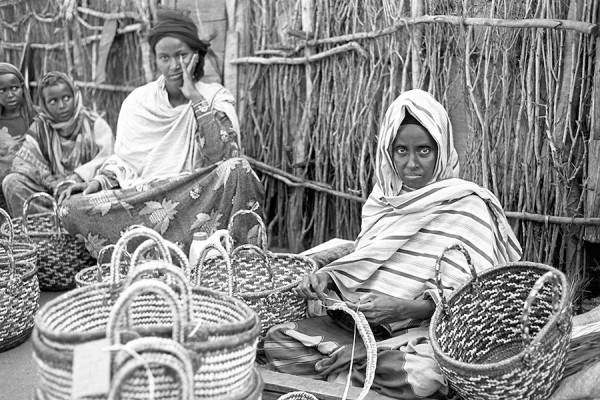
(533, 294)
(127, 297)
(199, 267)
(261, 252)
(362, 325)
(101, 255)
(438, 272)
(160, 266)
(40, 195)
(143, 248)
(121, 247)
(157, 351)
(263, 229)
(69, 182)
(11, 226)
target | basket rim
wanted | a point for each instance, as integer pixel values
(534, 342)
(32, 271)
(248, 325)
(282, 288)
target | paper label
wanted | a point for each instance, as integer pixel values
(91, 369)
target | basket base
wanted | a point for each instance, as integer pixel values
(501, 352)
(15, 341)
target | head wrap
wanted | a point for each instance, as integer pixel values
(171, 23)
(27, 109)
(70, 125)
(430, 114)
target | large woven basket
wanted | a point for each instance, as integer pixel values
(19, 296)
(60, 255)
(217, 328)
(264, 280)
(505, 333)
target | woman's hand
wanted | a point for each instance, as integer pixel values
(380, 308)
(313, 286)
(90, 187)
(189, 88)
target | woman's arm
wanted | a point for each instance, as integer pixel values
(216, 137)
(380, 308)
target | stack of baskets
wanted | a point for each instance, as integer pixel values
(505, 333)
(262, 279)
(218, 332)
(60, 254)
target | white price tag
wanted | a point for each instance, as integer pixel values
(91, 369)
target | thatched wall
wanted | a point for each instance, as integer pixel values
(313, 80)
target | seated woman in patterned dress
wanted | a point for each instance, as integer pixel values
(176, 166)
(417, 207)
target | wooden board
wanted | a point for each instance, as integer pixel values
(278, 384)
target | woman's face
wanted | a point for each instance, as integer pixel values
(11, 93)
(415, 154)
(169, 51)
(59, 101)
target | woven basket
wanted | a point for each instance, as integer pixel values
(60, 255)
(19, 296)
(298, 396)
(23, 250)
(505, 333)
(363, 328)
(218, 328)
(264, 280)
(101, 271)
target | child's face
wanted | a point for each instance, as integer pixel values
(59, 101)
(11, 93)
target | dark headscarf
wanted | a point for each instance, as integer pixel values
(171, 23)
(27, 109)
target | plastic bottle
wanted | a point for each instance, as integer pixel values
(198, 242)
(200, 239)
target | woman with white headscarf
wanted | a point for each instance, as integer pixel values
(417, 207)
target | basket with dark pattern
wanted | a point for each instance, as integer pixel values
(60, 255)
(264, 280)
(23, 249)
(19, 297)
(505, 333)
(219, 330)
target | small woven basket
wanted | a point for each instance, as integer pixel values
(221, 331)
(298, 396)
(23, 249)
(262, 279)
(60, 255)
(19, 297)
(505, 333)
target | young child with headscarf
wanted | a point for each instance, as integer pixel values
(66, 142)
(16, 114)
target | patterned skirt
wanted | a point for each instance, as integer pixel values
(174, 207)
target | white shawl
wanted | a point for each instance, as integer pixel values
(154, 139)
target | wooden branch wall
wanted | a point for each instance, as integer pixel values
(509, 65)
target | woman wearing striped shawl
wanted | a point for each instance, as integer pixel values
(417, 207)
